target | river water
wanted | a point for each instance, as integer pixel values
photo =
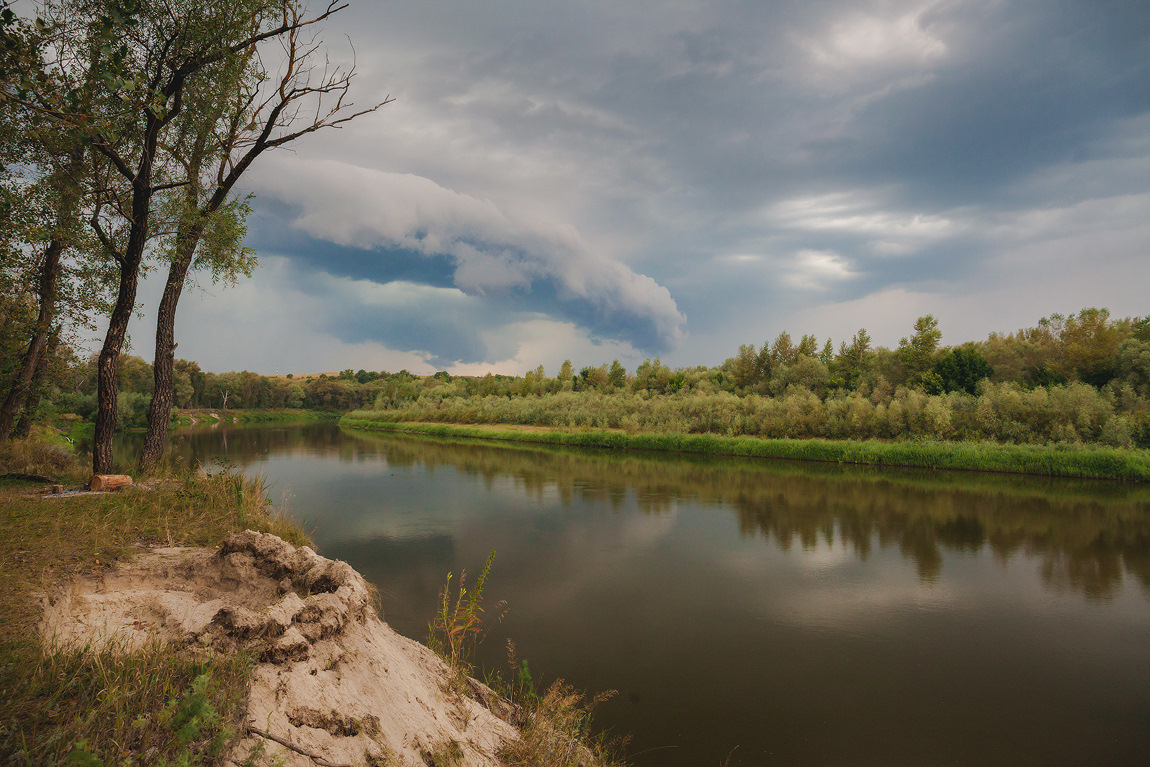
(756, 612)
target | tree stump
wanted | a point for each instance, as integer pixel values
(100, 482)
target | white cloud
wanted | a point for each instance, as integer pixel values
(547, 342)
(267, 325)
(869, 40)
(494, 252)
(885, 231)
(814, 269)
(1093, 217)
(859, 213)
(270, 324)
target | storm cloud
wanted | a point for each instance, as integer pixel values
(650, 178)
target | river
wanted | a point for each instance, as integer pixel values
(756, 612)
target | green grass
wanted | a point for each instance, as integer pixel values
(1057, 461)
(185, 418)
(153, 706)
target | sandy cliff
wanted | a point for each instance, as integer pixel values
(334, 684)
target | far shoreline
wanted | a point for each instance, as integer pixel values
(1071, 461)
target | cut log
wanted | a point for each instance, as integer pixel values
(100, 482)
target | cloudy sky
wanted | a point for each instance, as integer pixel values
(593, 180)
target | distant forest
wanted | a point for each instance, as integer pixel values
(1082, 377)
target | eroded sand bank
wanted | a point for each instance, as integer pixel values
(333, 680)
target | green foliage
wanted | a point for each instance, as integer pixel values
(457, 627)
(1064, 460)
(854, 360)
(917, 355)
(112, 707)
(617, 375)
(1132, 365)
(961, 369)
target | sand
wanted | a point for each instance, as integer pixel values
(333, 680)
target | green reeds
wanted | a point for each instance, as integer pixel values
(1057, 460)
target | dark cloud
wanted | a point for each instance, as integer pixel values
(645, 170)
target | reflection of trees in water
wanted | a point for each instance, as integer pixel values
(1087, 534)
(243, 443)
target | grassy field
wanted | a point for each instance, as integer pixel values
(157, 706)
(1057, 461)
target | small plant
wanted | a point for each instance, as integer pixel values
(457, 628)
(555, 727)
(521, 690)
(557, 733)
(446, 753)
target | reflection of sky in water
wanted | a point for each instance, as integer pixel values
(813, 619)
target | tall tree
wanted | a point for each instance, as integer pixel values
(114, 74)
(65, 183)
(236, 119)
(41, 176)
(917, 354)
(854, 360)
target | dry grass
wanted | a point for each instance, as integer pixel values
(555, 728)
(556, 732)
(45, 453)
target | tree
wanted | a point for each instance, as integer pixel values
(237, 121)
(827, 355)
(593, 377)
(565, 372)
(961, 369)
(1132, 364)
(783, 351)
(116, 78)
(808, 346)
(746, 371)
(917, 355)
(852, 361)
(617, 375)
(41, 190)
(1090, 346)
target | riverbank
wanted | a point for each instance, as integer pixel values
(184, 620)
(103, 703)
(143, 626)
(1056, 460)
(327, 679)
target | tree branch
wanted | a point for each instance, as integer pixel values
(298, 749)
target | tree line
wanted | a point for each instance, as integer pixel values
(126, 127)
(1082, 377)
(1076, 378)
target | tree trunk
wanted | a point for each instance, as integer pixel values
(107, 387)
(49, 274)
(36, 389)
(163, 366)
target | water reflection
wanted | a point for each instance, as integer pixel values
(1088, 534)
(808, 614)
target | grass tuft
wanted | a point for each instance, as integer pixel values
(557, 732)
